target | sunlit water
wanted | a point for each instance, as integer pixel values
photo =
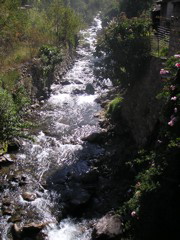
(64, 120)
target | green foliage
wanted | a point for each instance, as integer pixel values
(13, 100)
(9, 80)
(38, 29)
(125, 45)
(50, 23)
(65, 23)
(8, 116)
(21, 99)
(171, 65)
(3, 147)
(134, 8)
(168, 85)
(114, 107)
(164, 52)
(50, 55)
(88, 9)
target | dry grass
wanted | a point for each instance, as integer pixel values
(18, 55)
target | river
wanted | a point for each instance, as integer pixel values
(65, 118)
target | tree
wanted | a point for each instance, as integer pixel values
(134, 8)
(126, 45)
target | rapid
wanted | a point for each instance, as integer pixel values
(64, 120)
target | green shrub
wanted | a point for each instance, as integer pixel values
(50, 55)
(171, 65)
(8, 116)
(9, 80)
(21, 99)
(114, 107)
(164, 52)
(126, 44)
(3, 147)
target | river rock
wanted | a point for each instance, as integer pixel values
(79, 197)
(35, 106)
(108, 227)
(6, 201)
(14, 218)
(28, 196)
(75, 201)
(78, 82)
(29, 231)
(86, 45)
(91, 177)
(66, 82)
(7, 210)
(14, 145)
(89, 89)
(78, 91)
(98, 138)
(4, 160)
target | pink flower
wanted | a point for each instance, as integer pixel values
(171, 123)
(159, 141)
(175, 110)
(173, 87)
(177, 65)
(133, 214)
(177, 55)
(163, 71)
(174, 98)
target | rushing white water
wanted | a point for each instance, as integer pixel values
(82, 109)
(69, 230)
(64, 120)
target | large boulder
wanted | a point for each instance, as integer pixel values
(108, 227)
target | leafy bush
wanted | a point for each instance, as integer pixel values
(125, 47)
(21, 99)
(8, 116)
(171, 65)
(9, 80)
(164, 52)
(135, 8)
(50, 55)
(114, 107)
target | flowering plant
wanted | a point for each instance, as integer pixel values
(163, 71)
(177, 55)
(177, 65)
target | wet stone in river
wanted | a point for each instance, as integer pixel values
(29, 196)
